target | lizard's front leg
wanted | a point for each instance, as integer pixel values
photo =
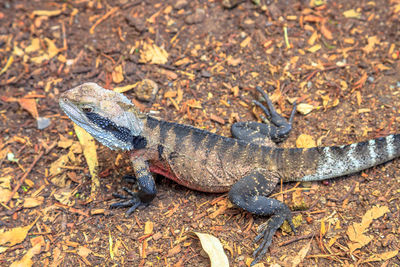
(251, 194)
(146, 187)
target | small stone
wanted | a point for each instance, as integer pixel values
(231, 3)
(197, 17)
(43, 123)
(205, 74)
(137, 23)
(180, 4)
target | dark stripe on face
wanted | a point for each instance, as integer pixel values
(120, 132)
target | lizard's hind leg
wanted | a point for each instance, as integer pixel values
(275, 127)
(251, 194)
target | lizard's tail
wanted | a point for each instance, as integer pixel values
(342, 160)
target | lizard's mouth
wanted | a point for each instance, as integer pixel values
(72, 111)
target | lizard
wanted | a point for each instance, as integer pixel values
(248, 166)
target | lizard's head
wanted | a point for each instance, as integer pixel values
(107, 115)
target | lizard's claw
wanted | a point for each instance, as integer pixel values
(132, 201)
(265, 232)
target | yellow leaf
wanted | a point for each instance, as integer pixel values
(382, 256)
(84, 251)
(27, 258)
(355, 232)
(34, 46)
(245, 42)
(48, 13)
(212, 246)
(305, 141)
(351, 13)
(148, 228)
(117, 74)
(89, 151)
(14, 236)
(31, 202)
(8, 64)
(313, 38)
(304, 108)
(372, 41)
(314, 48)
(153, 54)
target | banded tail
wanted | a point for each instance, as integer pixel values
(342, 160)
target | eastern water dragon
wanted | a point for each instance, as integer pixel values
(248, 166)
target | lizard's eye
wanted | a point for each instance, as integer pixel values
(87, 109)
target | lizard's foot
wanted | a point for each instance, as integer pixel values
(266, 231)
(132, 201)
(275, 126)
(283, 127)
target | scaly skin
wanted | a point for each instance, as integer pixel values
(248, 167)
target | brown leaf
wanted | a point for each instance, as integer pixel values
(148, 228)
(14, 236)
(173, 251)
(31, 202)
(356, 231)
(26, 260)
(325, 31)
(29, 104)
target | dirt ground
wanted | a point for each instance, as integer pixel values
(338, 59)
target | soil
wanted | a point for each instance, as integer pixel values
(339, 59)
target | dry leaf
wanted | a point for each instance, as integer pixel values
(356, 231)
(326, 32)
(305, 141)
(351, 13)
(89, 151)
(64, 142)
(148, 227)
(29, 104)
(56, 166)
(301, 255)
(153, 54)
(117, 74)
(212, 246)
(14, 236)
(31, 202)
(26, 260)
(304, 108)
(314, 48)
(65, 196)
(382, 256)
(245, 42)
(84, 251)
(372, 41)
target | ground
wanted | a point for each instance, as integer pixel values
(338, 59)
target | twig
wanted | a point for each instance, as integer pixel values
(21, 181)
(296, 239)
(109, 13)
